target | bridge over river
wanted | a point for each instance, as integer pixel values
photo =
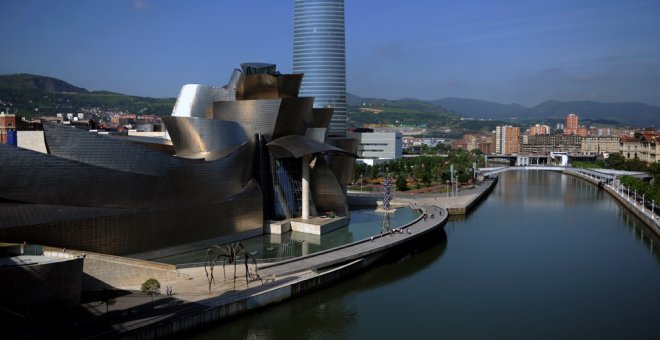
(608, 176)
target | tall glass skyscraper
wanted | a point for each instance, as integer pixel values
(319, 52)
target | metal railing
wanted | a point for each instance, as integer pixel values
(238, 262)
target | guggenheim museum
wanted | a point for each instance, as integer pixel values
(237, 158)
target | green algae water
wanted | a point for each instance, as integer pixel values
(545, 256)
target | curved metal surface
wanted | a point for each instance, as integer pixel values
(343, 166)
(293, 116)
(235, 77)
(260, 86)
(33, 177)
(130, 231)
(326, 191)
(196, 100)
(192, 135)
(103, 151)
(288, 85)
(317, 134)
(252, 115)
(321, 117)
(295, 146)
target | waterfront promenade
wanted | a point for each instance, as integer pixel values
(133, 314)
(457, 203)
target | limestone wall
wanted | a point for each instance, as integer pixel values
(108, 271)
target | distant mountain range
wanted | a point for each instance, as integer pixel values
(636, 114)
(34, 94)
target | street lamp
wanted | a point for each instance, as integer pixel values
(653, 209)
(448, 188)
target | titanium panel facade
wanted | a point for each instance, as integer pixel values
(319, 53)
(196, 100)
(326, 190)
(67, 203)
(193, 137)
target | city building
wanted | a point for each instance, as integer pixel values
(630, 147)
(319, 53)
(411, 141)
(538, 129)
(7, 128)
(480, 141)
(544, 144)
(594, 145)
(252, 147)
(572, 126)
(642, 146)
(506, 140)
(377, 146)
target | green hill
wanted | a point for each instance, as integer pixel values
(408, 112)
(33, 95)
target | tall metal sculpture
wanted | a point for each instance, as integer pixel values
(386, 204)
(229, 253)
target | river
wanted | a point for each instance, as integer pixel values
(546, 255)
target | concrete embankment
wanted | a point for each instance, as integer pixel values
(300, 276)
(644, 215)
(463, 207)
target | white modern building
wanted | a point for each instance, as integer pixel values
(378, 146)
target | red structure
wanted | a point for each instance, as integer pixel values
(7, 123)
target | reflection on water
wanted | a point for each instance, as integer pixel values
(364, 223)
(545, 256)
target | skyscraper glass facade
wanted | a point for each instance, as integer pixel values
(319, 52)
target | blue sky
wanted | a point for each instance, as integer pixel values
(505, 51)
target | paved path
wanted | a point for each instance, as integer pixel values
(461, 200)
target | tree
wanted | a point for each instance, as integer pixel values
(151, 287)
(107, 298)
(401, 183)
(614, 161)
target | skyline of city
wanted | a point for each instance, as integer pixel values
(504, 52)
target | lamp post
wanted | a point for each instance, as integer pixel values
(642, 202)
(361, 180)
(653, 209)
(448, 189)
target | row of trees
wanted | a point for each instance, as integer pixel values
(425, 170)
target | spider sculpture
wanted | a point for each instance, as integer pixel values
(229, 253)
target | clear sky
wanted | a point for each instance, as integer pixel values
(506, 51)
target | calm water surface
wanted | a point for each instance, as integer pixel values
(545, 256)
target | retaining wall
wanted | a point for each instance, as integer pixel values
(107, 271)
(652, 224)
